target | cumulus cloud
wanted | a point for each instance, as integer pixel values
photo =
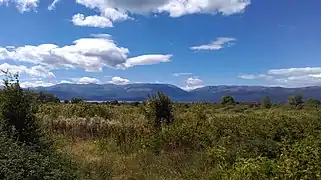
(88, 80)
(32, 84)
(315, 75)
(291, 77)
(220, 43)
(147, 60)
(119, 81)
(119, 10)
(66, 82)
(91, 54)
(193, 83)
(175, 8)
(22, 5)
(182, 74)
(91, 21)
(39, 71)
(295, 71)
(106, 18)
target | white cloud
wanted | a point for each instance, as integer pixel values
(92, 54)
(292, 77)
(88, 80)
(175, 8)
(114, 15)
(182, 74)
(104, 36)
(4, 53)
(53, 5)
(91, 21)
(66, 82)
(147, 60)
(39, 71)
(119, 81)
(315, 75)
(295, 71)
(32, 84)
(220, 43)
(248, 76)
(193, 83)
(119, 10)
(22, 5)
(10, 47)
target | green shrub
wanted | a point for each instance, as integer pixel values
(266, 102)
(17, 118)
(159, 110)
(76, 100)
(227, 100)
(18, 162)
(296, 101)
(313, 103)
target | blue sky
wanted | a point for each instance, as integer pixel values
(188, 43)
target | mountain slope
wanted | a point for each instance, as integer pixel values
(139, 92)
(130, 92)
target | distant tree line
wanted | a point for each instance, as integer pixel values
(295, 101)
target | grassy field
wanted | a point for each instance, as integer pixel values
(205, 141)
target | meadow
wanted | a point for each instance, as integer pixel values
(204, 141)
(157, 139)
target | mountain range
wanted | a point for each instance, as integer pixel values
(140, 92)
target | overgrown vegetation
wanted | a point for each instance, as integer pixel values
(159, 139)
(25, 151)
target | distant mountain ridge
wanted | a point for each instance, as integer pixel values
(140, 92)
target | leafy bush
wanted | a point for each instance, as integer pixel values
(296, 101)
(18, 162)
(160, 110)
(266, 102)
(76, 100)
(313, 103)
(17, 118)
(227, 100)
(25, 152)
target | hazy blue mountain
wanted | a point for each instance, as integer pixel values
(139, 92)
(130, 92)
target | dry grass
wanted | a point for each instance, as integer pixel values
(205, 142)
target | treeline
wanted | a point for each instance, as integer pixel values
(295, 101)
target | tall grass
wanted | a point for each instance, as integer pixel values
(206, 141)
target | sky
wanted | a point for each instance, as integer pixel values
(187, 43)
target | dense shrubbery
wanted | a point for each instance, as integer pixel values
(206, 141)
(25, 152)
(19, 162)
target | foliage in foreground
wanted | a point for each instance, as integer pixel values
(25, 152)
(119, 141)
(206, 141)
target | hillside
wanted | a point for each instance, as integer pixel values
(139, 92)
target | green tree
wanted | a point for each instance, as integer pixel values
(114, 102)
(17, 111)
(313, 103)
(296, 101)
(227, 100)
(159, 109)
(266, 102)
(76, 100)
(41, 97)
